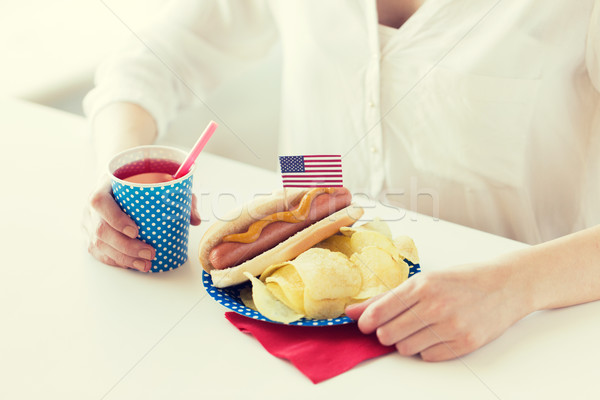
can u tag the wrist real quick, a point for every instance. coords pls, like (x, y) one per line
(120, 126)
(520, 282)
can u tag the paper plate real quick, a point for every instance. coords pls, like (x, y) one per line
(230, 298)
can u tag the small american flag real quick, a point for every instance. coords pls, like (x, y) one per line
(311, 171)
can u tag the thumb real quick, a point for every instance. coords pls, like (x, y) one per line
(195, 215)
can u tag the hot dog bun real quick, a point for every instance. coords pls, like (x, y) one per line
(239, 219)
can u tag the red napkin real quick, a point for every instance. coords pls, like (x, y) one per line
(319, 353)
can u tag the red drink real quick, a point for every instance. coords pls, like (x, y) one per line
(150, 177)
(152, 170)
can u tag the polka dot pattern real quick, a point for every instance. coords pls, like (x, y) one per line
(230, 298)
(162, 212)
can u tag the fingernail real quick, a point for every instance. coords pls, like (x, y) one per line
(139, 264)
(130, 231)
(146, 254)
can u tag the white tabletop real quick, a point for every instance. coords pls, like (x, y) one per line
(73, 328)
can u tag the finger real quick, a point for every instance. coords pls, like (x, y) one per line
(403, 326)
(124, 244)
(103, 258)
(104, 204)
(121, 259)
(354, 311)
(418, 341)
(444, 351)
(393, 303)
(195, 217)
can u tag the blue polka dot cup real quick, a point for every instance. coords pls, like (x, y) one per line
(160, 210)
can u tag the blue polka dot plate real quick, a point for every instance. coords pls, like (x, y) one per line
(230, 298)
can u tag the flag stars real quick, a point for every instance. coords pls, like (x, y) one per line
(291, 164)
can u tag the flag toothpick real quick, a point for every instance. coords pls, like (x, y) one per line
(308, 171)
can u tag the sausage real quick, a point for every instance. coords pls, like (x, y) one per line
(229, 254)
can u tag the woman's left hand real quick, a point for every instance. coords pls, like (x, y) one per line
(445, 314)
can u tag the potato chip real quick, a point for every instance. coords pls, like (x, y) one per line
(361, 239)
(270, 270)
(327, 274)
(268, 305)
(376, 225)
(337, 243)
(246, 297)
(379, 270)
(278, 292)
(287, 286)
(406, 247)
(324, 308)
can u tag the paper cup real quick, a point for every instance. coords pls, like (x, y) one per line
(160, 210)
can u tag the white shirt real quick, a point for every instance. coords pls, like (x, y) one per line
(481, 110)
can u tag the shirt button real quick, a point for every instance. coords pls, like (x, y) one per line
(371, 104)
(374, 150)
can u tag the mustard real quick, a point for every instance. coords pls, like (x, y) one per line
(294, 216)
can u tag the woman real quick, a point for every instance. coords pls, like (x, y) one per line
(489, 103)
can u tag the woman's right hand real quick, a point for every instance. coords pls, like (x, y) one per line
(112, 235)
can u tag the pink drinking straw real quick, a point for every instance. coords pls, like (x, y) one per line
(202, 140)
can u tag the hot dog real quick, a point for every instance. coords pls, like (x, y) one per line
(315, 214)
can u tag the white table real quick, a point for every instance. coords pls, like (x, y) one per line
(73, 328)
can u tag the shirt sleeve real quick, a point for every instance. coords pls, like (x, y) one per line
(179, 58)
